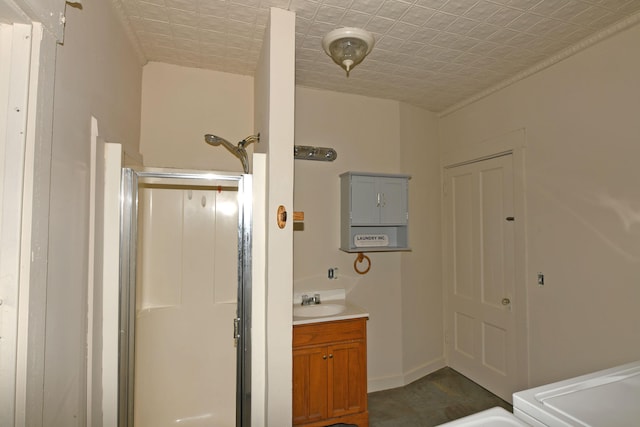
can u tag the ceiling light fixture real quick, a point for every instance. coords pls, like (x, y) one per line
(348, 46)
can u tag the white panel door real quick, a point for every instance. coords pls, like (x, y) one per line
(479, 254)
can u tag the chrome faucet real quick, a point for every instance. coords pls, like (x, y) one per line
(307, 300)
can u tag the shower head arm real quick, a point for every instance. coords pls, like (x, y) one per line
(242, 153)
(248, 140)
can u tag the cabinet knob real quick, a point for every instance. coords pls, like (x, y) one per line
(331, 356)
(324, 357)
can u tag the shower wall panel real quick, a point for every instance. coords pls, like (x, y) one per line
(185, 354)
(159, 247)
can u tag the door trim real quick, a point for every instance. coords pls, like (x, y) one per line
(16, 194)
(128, 251)
(514, 143)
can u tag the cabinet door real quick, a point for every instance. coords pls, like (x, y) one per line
(309, 384)
(393, 201)
(347, 378)
(364, 200)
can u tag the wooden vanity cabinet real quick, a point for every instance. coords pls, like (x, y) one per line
(330, 373)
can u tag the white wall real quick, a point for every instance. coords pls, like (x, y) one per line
(181, 104)
(422, 292)
(365, 133)
(97, 73)
(274, 119)
(581, 122)
(373, 135)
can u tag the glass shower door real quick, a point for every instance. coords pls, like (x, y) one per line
(187, 300)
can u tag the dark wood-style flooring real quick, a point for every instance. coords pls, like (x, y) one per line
(442, 396)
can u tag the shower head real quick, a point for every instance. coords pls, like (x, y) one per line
(238, 150)
(215, 140)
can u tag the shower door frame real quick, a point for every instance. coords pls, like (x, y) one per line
(128, 251)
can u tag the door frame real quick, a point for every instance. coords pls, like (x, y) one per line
(513, 143)
(16, 169)
(128, 253)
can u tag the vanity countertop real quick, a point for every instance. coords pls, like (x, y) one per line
(351, 311)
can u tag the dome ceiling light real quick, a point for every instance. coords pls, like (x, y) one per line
(348, 46)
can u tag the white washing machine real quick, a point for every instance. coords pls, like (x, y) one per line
(494, 417)
(608, 398)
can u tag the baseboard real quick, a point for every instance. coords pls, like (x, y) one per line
(423, 370)
(386, 383)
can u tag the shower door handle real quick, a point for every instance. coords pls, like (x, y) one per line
(236, 328)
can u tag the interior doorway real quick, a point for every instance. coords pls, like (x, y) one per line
(185, 299)
(481, 309)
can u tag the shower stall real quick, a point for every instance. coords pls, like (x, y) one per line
(185, 298)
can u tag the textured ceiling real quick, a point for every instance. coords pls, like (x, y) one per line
(431, 53)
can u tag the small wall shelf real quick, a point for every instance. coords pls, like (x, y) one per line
(374, 214)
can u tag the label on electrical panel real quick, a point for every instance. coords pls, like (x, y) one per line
(367, 240)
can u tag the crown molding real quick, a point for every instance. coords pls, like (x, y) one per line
(554, 59)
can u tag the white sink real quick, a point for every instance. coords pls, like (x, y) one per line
(318, 310)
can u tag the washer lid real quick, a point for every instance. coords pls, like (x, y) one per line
(604, 398)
